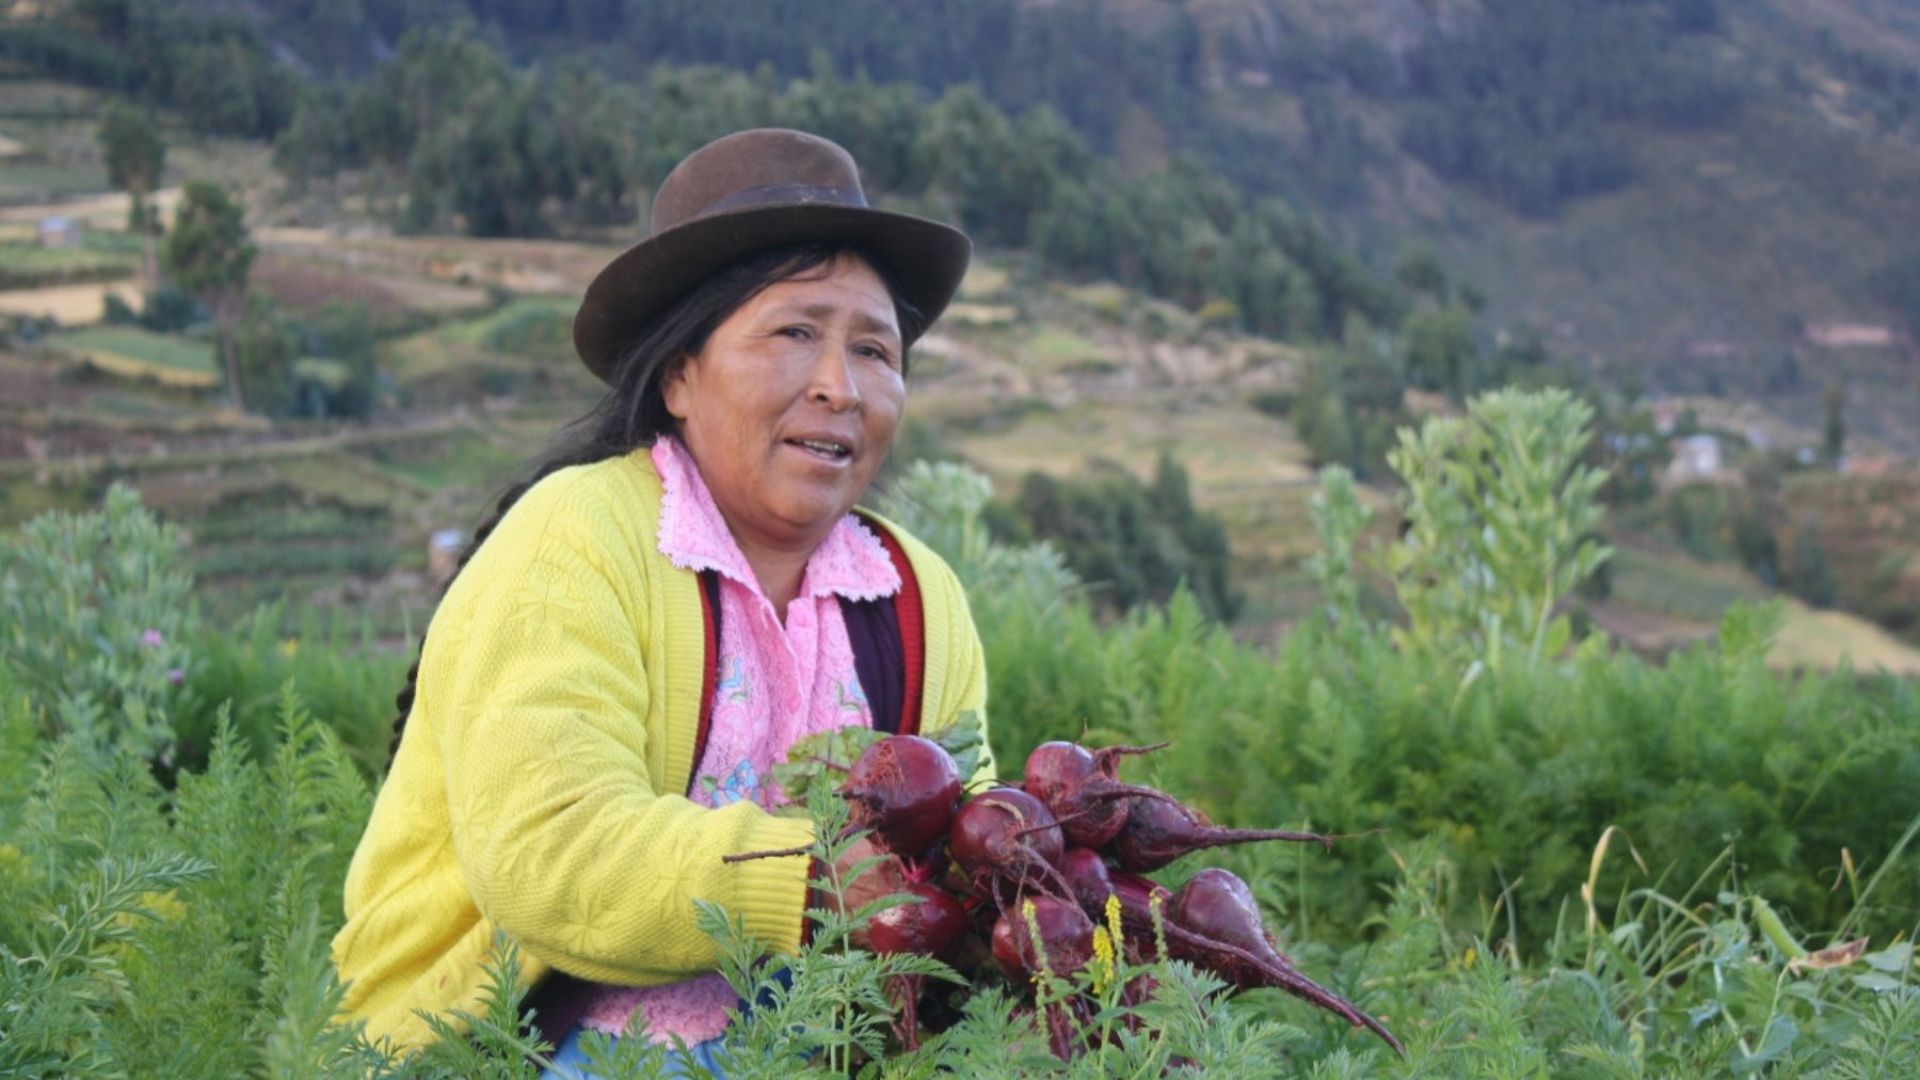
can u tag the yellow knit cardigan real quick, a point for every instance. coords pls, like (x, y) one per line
(539, 791)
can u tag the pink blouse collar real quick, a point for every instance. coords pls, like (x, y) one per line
(851, 562)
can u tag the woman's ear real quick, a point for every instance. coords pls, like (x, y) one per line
(675, 392)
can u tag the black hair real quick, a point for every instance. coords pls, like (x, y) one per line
(633, 413)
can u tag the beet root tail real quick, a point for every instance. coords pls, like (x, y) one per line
(1275, 972)
(1286, 978)
(1108, 758)
(1215, 836)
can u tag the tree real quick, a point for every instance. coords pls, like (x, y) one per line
(1835, 401)
(209, 256)
(1418, 270)
(135, 157)
(1441, 352)
(1812, 575)
(266, 346)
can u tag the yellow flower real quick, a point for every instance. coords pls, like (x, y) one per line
(1031, 915)
(163, 907)
(1103, 969)
(166, 905)
(289, 647)
(1113, 920)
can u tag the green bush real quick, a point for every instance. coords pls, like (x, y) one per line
(1585, 866)
(1133, 543)
(96, 623)
(340, 670)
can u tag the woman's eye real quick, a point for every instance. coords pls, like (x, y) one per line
(798, 333)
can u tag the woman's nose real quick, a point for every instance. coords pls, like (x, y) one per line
(833, 382)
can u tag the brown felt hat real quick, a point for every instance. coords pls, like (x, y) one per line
(744, 193)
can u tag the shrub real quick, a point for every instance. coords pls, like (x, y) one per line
(1500, 515)
(1133, 543)
(96, 623)
(1590, 867)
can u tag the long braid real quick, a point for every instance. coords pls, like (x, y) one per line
(634, 413)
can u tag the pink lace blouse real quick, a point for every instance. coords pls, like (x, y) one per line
(778, 684)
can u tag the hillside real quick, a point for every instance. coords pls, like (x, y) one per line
(1690, 195)
(1710, 250)
(467, 335)
(1022, 375)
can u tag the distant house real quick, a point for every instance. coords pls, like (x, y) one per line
(61, 232)
(1696, 460)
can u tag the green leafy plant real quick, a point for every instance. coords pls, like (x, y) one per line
(97, 624)
(1500, 514)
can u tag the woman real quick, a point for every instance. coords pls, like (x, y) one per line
(670, 602)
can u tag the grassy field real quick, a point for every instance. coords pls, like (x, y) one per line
(28, 266)
(138, 354)
(1825, 640)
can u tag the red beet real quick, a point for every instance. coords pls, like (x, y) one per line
(906, 789)
(932, 925)
(1087, 878)
(1136, 895)
(1158, 831)
(1092, 882)
(1082, 789)
(1218, 909)
(1007, 836)
(1066, 936)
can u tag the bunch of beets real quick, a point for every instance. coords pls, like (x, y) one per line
(1044, 857)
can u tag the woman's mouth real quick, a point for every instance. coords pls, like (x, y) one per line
(825, 450)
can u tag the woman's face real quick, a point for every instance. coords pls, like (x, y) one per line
(793, 403)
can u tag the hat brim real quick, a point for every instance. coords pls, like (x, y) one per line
(925, 257)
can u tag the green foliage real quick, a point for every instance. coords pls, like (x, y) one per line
(267, 348)
(135, 155)
(184, 933)
(342, 672)
(208, 256)
(216, 70)
(207, 253)
(30, 266)
(316, 365)
(1515, 773)
(1834, 428)
(1519, 103)
(343, 333)
(1133, 543)
(1338, 518)
(96, 625)
(1809, 575)
(530, 152)
(157, 935)
(1351, 399)
(1500, 516)
(1442, 354)
(942, 503)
